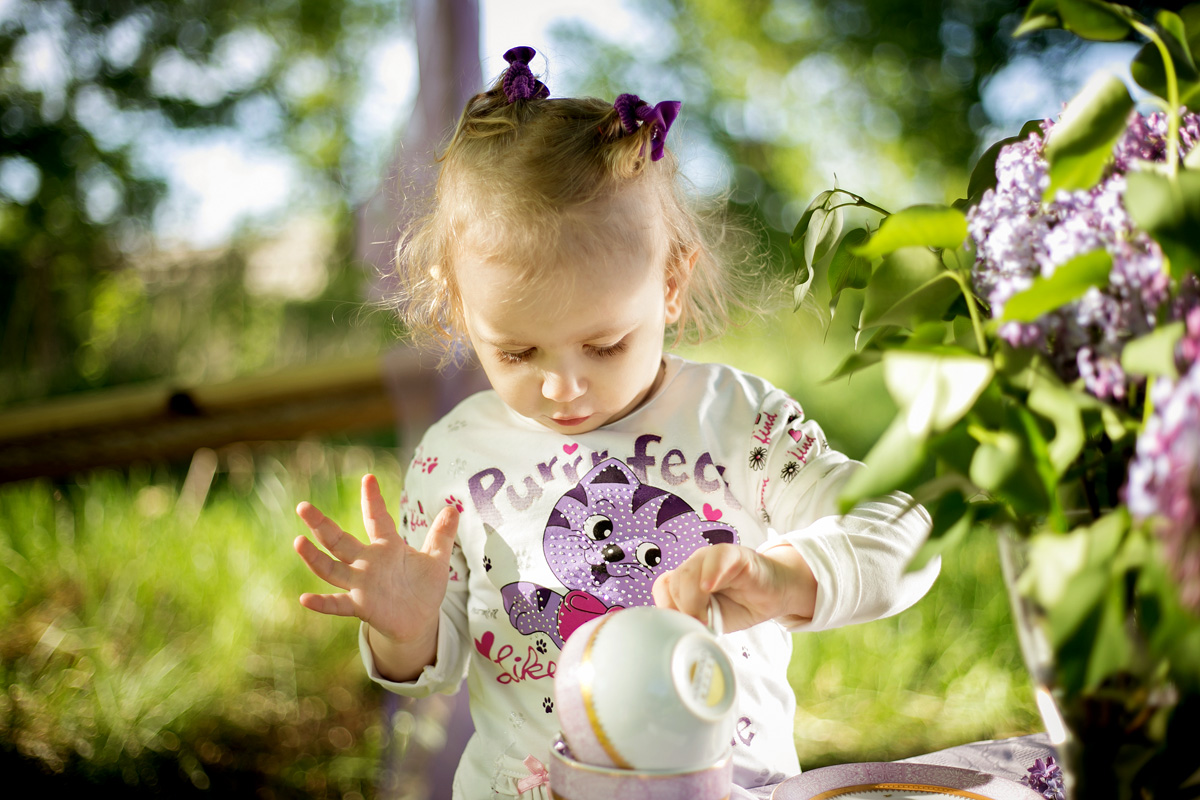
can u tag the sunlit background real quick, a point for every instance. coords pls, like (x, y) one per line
(199, 192)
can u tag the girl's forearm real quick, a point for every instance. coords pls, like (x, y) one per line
(402, 661)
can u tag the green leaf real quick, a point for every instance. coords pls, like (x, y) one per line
(1069, 282)
(813, 237)
(1169, 210)
(823, 232)
(1040, 15)
(893, 463)
(952, 518)
(1154, 353)
(1192, 160)
(1006, 463)
(1080, 145)
(996, 460)
(917, 226)
(798, 247)
(847, 270)
(1058, 404)
(1173, 24)
(1094, 19)
(954, 450)
(1038, 485)
(1190, 15)
(855, 362)
(1112, 652)
(934, 391)
(1147, 66)
(911, 287)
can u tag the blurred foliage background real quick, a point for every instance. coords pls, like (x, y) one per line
(149, 633)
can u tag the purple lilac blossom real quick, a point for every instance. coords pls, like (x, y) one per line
(1164, 476)
(1018, 238)
(1046, 778)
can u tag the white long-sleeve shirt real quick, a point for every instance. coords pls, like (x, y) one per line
(555, 530)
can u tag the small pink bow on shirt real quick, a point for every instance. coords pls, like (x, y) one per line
(538, 776)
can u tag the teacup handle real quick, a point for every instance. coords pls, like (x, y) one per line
(715, 623)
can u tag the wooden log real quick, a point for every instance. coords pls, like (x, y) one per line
(119, 426)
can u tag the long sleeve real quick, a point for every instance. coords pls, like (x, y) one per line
(860, 559)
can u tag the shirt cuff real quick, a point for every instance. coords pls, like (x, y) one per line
(436, 677)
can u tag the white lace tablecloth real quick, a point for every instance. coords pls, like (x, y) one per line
(1007, 758)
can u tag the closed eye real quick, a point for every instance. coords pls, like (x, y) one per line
(610, 350)
(506, 357)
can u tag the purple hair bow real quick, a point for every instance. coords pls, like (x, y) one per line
(634, 111)
(519, 83)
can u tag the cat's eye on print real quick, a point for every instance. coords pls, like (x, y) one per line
(598, 527)
(648, 554)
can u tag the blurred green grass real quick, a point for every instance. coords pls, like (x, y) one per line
(150, 633)
(138, 628)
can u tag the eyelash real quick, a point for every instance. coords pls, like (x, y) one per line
(611, 350)
(514, 358)
(600, 352)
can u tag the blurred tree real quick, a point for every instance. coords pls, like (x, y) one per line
(884, 93)
(86, 86)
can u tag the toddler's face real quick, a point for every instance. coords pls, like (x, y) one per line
(572, 354)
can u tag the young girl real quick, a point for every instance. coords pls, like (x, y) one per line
(598, 473)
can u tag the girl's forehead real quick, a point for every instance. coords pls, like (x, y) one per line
(582, 299)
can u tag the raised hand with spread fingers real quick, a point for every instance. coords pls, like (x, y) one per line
(394, 588)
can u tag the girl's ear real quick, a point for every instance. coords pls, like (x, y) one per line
(677, 277)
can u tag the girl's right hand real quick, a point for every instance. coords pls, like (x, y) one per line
(394, 588)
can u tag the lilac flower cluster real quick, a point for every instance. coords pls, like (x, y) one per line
(1045, 777)
(1164, 476)
(1019, 238)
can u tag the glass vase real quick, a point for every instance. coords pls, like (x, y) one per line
(1105, 736)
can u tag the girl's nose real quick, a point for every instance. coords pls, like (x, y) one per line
(562, 386)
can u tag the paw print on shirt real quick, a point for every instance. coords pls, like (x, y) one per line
(454, 501)
(548, 705)
(541, 646)
(487, 564)
(426, 465)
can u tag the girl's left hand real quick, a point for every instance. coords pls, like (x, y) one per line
(750, 587)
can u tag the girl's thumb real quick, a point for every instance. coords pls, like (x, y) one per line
(440, 541)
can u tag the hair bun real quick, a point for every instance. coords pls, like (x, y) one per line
(519, 82)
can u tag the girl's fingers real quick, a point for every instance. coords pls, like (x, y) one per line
(327, 569)
(440, 541)
(343, 546)
(378, 521)
(339, 605)
(720, 565)
(680, 589)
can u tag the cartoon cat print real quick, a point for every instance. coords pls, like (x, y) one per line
(606, 540)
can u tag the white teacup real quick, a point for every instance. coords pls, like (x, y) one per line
(646, 689)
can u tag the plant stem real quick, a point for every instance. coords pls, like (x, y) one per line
(861, 202)
(1172, 95)
(972, 308)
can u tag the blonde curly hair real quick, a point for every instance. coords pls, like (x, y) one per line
(518, 185)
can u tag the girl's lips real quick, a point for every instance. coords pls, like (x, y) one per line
(571, 422)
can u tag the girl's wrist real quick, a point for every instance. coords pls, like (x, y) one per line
(402, 661)
(798, 583)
